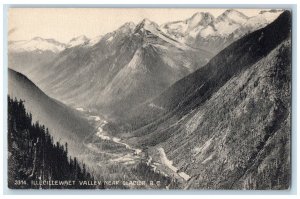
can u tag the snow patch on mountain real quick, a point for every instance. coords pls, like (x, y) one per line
(225, 24)
(36, 44)
(233, 16)
(190, 26)
(80, 40)
(95, 40)
(110, 38)
(146, 27)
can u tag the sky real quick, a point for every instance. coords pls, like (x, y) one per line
(63, 24)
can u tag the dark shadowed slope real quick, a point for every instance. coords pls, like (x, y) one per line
(64, 123)
(240, 137)
(234, 133)
(33, 155)
(194, 89)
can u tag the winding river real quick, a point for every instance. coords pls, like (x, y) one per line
(134, 153)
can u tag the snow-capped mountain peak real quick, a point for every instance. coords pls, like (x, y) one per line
(147, 29)
(146, 24)
(233, 16)
(203, 29)
(36, 44)
(80, 40)
(200, 18)
(191, 25)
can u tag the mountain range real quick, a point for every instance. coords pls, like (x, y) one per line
(209, 96)
(239, 100)
(203, 29)
(131, 65)
(140, 57)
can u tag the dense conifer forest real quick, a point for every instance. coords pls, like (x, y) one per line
(34, 160)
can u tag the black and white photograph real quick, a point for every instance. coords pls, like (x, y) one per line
(149, 98)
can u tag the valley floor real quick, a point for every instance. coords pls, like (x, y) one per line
(126, 156)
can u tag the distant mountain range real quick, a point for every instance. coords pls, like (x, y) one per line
(137, 61)
(204, 30)
(27, 56)
(36, 44)
(39, 45)
(131, 65)
(201, 24)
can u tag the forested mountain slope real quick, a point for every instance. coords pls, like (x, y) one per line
(193, 90)
(64, 123)
(33, 156)
(228, 126)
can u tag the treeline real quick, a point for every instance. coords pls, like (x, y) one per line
(34, 157)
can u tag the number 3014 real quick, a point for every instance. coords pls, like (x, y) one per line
(20, 182)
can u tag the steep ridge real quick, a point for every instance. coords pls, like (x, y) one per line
(257, 123)
(156, 64)
(250, 111)
(65, 124)
(200, 85)
(125, 68)
(83, 70)
(237, 56)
